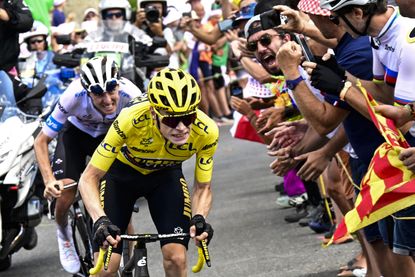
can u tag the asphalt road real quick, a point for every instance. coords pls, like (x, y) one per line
(251, 237)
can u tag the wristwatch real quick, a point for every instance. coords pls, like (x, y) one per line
(292, 84)
(344, 90)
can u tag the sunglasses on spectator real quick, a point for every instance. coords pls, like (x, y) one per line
(173, 120)
(334, 19)
(112, 15)
(33, 41)
(265, 40)
(98, 90)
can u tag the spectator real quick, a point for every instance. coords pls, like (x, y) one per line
(58, 16)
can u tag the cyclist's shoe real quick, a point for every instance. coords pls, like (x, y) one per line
(301, 212)
(31, 239)
(298, 200)
(67, 253)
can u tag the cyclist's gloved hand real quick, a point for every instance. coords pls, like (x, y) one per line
(202, 226)
(326, 80)
(332, 64)
(103, 228)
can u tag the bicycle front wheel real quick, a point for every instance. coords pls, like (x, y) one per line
(83, 242)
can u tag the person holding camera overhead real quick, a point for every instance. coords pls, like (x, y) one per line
(149, 16)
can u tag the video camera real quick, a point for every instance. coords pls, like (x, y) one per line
(144, 54)
(272, 19)
(71, 59)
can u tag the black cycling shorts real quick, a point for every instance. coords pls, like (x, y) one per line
(166, 193)
(72, 149)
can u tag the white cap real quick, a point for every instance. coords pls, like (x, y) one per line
(172, 16)
(89, 10)
(58, 2)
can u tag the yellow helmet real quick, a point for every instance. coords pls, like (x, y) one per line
(174, 91)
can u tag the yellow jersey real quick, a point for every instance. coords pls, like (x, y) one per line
(135, 140)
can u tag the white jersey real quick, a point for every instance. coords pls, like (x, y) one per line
(394, 56)
(76, 106)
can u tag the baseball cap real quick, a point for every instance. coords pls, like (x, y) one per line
(253, 26)
(312, 7)
(245, 13)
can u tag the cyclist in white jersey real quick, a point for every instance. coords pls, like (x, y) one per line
(81, 118)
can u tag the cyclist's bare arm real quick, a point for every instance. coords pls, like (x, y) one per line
(88, 187)
(42, 156)
(201, 202)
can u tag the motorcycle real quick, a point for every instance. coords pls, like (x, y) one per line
(21, 205)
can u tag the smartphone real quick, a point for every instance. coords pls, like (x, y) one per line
(304, 47)
(270, 19)
(225, 25)
(236, 90)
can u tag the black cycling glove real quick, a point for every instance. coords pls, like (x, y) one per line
(202, 226)
(326, 80)
(103, 228)
(333, 65)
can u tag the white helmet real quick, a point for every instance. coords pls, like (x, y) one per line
(99, 75)
(115, 4)
(334, 5)
(38, 29)
(142, 3)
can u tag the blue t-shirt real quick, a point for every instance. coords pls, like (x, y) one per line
(58, 17)
(355, 55)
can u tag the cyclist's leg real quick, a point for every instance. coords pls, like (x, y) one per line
(65, 166)
(68, 163)
(170, 208)
(121, 187)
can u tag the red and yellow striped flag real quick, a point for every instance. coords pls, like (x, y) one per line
(388, 185)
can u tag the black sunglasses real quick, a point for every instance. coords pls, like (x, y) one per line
(334, 19)
(265, 40)
(36, 41)
(110, 86)
(112, 15)
(173, 121)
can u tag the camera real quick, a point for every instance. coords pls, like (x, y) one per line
(144, 54)
(236, 90)
(152, 14)
(272, 19)
(63, 39)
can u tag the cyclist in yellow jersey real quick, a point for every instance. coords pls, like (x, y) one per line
(141, 156)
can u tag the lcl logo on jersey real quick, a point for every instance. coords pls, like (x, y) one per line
(184, 147)
(205, 163)
(108, 147)
(201, 126)
(140, 119)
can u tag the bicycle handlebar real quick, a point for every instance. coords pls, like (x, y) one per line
(203, 252)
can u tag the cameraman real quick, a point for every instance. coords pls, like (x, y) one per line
(115, 26)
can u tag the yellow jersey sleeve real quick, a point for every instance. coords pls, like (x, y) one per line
(204, 157)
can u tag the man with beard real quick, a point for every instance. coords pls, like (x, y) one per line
(116, 27)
